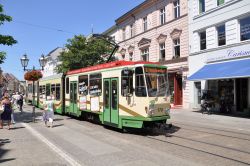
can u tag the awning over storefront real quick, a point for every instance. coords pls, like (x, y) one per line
(232, 69)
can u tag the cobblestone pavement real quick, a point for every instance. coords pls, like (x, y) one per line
(195, 139)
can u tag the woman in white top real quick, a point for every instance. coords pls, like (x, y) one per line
(48, 115)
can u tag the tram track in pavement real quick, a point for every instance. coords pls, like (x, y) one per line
(206, 147)
(207, 132)
(198, 150)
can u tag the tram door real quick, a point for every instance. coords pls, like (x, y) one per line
(73, 97)
(111, 101)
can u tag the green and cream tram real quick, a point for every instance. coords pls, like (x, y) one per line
(119, 94)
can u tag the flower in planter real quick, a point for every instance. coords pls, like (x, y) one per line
(33, 75)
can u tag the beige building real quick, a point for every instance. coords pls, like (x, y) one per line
(157, 30)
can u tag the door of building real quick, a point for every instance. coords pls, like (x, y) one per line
(241, 94)
(178, 89)
(111, 101)
(197, 94)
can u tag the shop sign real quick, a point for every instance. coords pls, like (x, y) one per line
(231, 53)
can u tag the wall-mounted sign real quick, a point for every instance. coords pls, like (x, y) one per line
(230, 53)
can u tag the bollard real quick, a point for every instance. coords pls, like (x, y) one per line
(33, 114)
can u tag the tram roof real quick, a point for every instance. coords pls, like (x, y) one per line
(110, 65)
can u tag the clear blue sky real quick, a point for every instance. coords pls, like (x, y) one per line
(36, 25)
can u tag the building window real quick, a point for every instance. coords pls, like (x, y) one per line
(176, 8)
(131, 56)
(221, 35)
(131, 30)
(162, 52)
(201, 6)
(220, 2)
(145, 54)
(123, 34)
(145, 23)
(245, 29)
(203, 44)
(177, 51)
(162, 16)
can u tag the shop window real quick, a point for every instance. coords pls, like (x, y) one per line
(201, 6)
(145, 54)
(83, 85)
(176, 8)
(162, 16)
(162, 52)
(140, 88)
(245, 29)
(203, 44)
(95, 84)
(221, 35)
(67, 85)
(126, 82)
(220, 2)
(58, 91)
(177, 49)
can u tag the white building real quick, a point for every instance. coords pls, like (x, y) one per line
(219, 43)
(51, 62)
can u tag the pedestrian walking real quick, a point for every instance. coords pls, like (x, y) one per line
(20, 103)
(48, 115)
(7, 110)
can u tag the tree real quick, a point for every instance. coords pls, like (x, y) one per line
(5, 39)
(79, 53)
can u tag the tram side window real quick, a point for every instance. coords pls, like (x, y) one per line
(47, 90)
(40, 91)
(140, 88)
(58, 90)
(95, 84)
(53, 89)
(126, 82)
(67, 85)
(83, 84)
(30, 88)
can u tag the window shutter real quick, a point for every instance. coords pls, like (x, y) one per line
(196, 42)
(232, 31)
(211, 37)
(195, 8)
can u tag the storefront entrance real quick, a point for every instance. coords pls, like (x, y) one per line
(241, 94)
(175, 87)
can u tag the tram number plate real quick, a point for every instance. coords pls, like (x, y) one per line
(160, 109)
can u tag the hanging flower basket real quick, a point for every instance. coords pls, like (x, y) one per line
(33, 75)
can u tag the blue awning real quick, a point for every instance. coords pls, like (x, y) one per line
(231, 69)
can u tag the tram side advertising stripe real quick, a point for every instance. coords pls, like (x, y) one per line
(56, 149)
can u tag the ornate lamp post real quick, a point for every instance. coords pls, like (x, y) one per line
(24, 62)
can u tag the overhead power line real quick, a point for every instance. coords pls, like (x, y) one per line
(42, 27)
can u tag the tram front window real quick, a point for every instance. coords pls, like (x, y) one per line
(156, 80)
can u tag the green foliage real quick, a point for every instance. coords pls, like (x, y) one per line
(5, 39)
(79, 53)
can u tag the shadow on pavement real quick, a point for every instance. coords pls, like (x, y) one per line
(58, 125)
(5, 160)
(4, 151)
(15, 128)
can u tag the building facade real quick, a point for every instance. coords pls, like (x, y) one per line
(52, 62)
(157, 31)
(219, 41)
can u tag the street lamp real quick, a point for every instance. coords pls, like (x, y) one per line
(24, 62)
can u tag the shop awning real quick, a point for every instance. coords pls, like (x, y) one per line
(225, 70)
